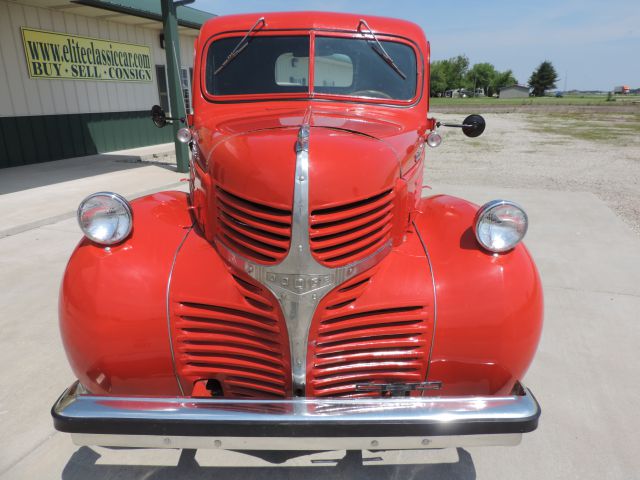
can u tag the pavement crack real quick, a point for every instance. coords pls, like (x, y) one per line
(584, 290)
(31, 451)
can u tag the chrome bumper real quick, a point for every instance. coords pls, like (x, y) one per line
(295, 424)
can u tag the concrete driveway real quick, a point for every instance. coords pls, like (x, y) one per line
(585, 374)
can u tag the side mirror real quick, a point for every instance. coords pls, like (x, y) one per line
(473, 126)
(158, 116)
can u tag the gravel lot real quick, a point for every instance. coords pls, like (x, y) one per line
(597, 153)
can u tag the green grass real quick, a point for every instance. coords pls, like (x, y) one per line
(585, 100)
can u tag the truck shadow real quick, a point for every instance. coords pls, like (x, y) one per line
(25, 177)
(84, 463)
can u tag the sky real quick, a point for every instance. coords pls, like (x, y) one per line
(593, 45)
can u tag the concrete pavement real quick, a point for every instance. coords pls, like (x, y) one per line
(43, 193)
(584, 374)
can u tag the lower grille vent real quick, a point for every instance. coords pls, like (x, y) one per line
(242, 348)
(380, 346)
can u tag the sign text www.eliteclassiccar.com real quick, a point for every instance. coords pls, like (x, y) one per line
(61, 56)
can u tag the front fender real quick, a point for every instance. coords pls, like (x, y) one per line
(112, 308)
(489, 306)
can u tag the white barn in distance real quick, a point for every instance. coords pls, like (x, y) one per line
(514, 91)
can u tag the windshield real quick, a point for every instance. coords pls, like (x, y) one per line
(341, 66)
(372, 76)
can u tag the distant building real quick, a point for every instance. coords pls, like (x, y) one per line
(622, 90)
(514, 91)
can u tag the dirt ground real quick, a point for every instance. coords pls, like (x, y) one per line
(575, 151)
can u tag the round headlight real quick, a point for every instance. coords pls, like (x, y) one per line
(105, 218)
(500, 225)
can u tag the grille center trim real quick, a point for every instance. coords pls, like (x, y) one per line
(299, 282)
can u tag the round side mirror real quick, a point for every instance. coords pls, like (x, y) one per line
(158, 116)
(473, 126)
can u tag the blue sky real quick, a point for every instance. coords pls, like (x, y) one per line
(594, 44)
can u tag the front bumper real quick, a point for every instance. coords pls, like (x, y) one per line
(295, 424)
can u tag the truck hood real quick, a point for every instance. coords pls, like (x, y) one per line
(258, 160)
(351, 120)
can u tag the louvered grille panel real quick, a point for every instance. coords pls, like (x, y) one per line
(381, 346)
(345, 233)
(258, 231)
(243, 347)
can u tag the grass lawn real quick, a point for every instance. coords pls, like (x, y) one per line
(586, 100)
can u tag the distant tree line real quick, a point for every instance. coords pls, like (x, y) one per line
(455, 73)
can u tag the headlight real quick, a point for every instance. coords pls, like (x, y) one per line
(105, 218)
(500, 225)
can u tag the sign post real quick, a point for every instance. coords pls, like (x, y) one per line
(176, 99)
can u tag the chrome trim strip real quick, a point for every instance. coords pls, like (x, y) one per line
(297, 443)
(435, 297)
(150, 421)
(299, 282)
(168, 307)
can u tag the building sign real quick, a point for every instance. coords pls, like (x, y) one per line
(58, 55)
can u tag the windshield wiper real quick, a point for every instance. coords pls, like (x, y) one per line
(242, 44)
(379, 49)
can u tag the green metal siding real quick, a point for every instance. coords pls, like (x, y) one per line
(42, 138)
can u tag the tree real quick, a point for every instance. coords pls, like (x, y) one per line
(543, 78)
(455, 73)
(448, 74)
(455, 70)
(438, 80)
(501, 80)
(481, 75)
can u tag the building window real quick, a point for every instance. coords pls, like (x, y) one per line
(163, 90)
(185, 81)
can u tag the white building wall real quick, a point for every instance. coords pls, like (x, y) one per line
(510, 92)
(21, 95)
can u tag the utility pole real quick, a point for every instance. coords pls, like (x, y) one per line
(176, 99)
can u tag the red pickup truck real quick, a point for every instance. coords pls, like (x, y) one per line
(303, 294)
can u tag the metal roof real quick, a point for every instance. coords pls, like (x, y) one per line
(517, 86)
(187, 16)
(139, 13)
